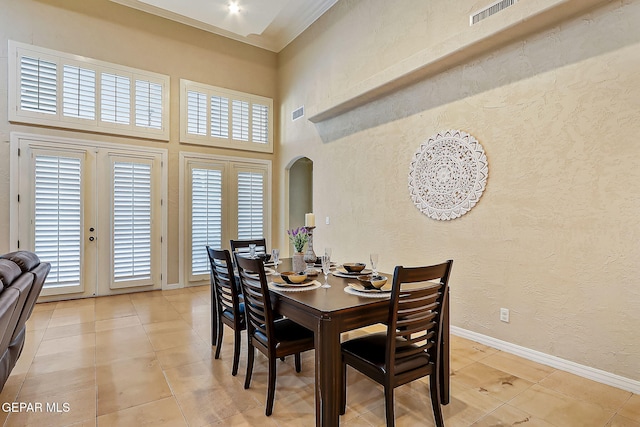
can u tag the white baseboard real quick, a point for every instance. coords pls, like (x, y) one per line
(170, 286)
(555, 362)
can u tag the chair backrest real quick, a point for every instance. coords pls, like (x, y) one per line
(415, 314)
(224, 280)
(257, 303)
(242, 246)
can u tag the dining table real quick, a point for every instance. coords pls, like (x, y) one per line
(329, 312)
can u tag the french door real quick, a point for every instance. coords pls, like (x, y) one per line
(94, 212)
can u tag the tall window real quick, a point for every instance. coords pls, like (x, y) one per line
(221, 117)
(58, 215)
(222, 198)
(52, 88)
(131, 221)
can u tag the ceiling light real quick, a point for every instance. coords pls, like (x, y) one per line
(234, 8)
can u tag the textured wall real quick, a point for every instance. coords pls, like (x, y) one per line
(555, 236)
(110, 32)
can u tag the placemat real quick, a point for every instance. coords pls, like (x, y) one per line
(314, 284)
(350, 290)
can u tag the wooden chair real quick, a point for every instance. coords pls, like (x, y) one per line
(412, 346)
(276, 338)
(242, 246)
(229, 306)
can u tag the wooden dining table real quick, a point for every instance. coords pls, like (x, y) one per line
(329, 312)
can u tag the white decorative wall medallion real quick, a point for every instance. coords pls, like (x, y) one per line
(448, 174)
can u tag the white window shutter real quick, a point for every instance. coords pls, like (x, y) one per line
(58, 216)
(260, 123)
(115, 99)
(250, 205)
(38, 85)
(196, 113)
(148, 104)
(219, 117)
(79, 92)
(206, 216)
(240, 120)
(131, 221)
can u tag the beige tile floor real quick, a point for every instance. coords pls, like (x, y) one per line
(146, 360)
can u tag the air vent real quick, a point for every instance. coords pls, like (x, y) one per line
(297, 113)
(490, 10)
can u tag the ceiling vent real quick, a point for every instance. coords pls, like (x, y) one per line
(297, 113)
(492, 9)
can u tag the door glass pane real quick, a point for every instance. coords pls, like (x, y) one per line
(250, 205)
(206, 216)
(131, 221)
(58, 218)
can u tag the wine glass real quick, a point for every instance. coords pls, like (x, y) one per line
(252, 250)
(326, 267)
(327, 253)
(374, 264)
(275, 254)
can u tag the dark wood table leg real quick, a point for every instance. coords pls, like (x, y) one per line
(328, 369)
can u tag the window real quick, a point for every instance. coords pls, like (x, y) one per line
(52, 88)
(222, 198)
(220, 117)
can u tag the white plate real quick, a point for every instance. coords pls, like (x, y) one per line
(307, 282)
(370, 291)
(340, 272)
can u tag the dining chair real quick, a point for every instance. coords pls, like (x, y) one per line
(412, 346)
(229, 306)
(242, 246)
(275, 338)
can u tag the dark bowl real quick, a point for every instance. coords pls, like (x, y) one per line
(264, 257)
(354, 267)
(293, 278)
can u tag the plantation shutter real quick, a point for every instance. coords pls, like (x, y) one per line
(206, 216)
(116, 99)
(148, 104)
(58, 217)
(250, 205)
(38, 90)
(79, 92)
(131, 221)
(260, 123)
(219, 117)
(196, 113)
(240, 120)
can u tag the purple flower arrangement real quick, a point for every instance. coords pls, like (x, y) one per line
(299, 237)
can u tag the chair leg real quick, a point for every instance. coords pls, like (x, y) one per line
(271, 387)
(434, 387)
(236, 352)
(388, 403)
(298, 363)
(250, 354)
(219, 339)
(343, 389)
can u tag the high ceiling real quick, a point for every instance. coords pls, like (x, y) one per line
(269, 24)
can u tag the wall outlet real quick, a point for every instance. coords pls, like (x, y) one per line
(504, 315)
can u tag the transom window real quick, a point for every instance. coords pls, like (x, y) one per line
(221, 117)
(52, 88)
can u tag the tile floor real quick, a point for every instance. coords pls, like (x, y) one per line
(145, 360)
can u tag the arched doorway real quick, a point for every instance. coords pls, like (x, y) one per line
(300, 191)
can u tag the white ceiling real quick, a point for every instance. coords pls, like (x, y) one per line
(269, 24)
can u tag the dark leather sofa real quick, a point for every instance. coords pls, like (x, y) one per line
(22, 276)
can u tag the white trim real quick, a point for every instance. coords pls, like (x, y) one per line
(171, 286)
(588, 372)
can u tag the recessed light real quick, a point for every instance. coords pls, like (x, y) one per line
(234, 8)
